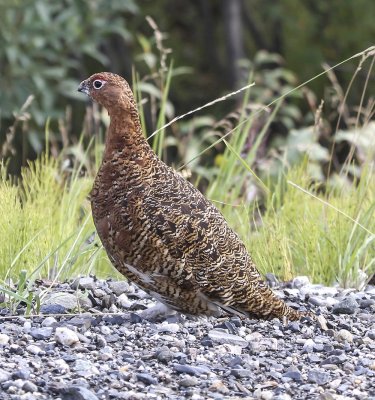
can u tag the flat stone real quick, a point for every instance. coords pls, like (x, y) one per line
(77, 393)
(52, 309)
(147, 379)
(191, 369)
(227, 338)
(41, 333)
(188, 381)
(84, 368)
(67, 300)
(241, 372)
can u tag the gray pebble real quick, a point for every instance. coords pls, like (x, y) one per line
(77, 393)
(29, 387)
(191, 369)
(119, 287)
(293, 373)
(189, 381)
(346, 306)
(241, 373)
(318, 377)
(227, 338)
(86, 282)
(147, 379)
(49, 322)
(41, 333)
(22, 373)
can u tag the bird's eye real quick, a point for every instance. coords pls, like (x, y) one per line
(98, 84)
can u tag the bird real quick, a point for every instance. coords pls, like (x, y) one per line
(160, 232)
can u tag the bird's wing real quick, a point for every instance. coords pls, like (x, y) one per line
(193, 230)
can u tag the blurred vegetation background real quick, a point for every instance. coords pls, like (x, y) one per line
(271, 156)
(46, 48)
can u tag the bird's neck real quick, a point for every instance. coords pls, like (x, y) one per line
(125, 135)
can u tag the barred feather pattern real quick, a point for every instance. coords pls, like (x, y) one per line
(160, 231)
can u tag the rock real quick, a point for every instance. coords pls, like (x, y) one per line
(300, 281)
(241, 373)
(67, 300)
(22, 373)
(346, 306)
(49, 322)
(165, 355)
(86, 282)
(293, 373)
(33, 349)
(336, 360)
(123, 301)
(52, 309)
(166, 327)
(308, 347)
(147, 379)
(227, 338)
(344, 336)
(84, 368)
(191, 369)
(29, 387)
(66, 336)
(188, 381)
(119, 287)
(4, 339)
(4, 375)
(77, 393)
(41, 333)
(219, 387)
(320, 378)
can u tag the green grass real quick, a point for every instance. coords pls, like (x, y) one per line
(46, 223)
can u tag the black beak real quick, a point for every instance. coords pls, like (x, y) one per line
(83, 87)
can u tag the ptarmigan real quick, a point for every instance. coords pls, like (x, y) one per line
(160, 231)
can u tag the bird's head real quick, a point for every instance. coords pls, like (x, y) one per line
(109, 90)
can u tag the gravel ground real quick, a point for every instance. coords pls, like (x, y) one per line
(91, 343)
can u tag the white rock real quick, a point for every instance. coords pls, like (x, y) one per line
(105, 330)
(4, 339)
(48, 322)
(343, 336)
(33, 349)
(227, 338)
(300, 281)
(166, 327)
(66, 336)
(309, 346)
(123, 301)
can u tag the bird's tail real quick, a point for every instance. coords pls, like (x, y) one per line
(263, 303)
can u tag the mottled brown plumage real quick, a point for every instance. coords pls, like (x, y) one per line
(160, 231)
